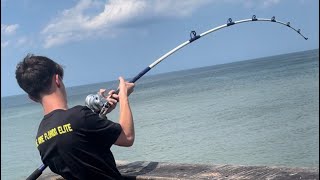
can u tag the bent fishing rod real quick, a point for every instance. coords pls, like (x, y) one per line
(97, 102)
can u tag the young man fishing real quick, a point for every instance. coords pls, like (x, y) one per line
(75, 142)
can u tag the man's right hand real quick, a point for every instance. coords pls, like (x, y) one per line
(125, 87)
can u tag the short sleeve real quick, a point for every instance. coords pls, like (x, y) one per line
(102, 131)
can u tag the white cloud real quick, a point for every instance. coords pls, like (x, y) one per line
(4, 44)
(268, 3)
(9, 29)
(5, 31)
(252, 3)
(21, 41)
(73, 24)
(107, 19)
(24, 41)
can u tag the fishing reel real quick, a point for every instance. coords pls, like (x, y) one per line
(98, 104)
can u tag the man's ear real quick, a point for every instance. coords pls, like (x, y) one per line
(57, 80)
(32, 98)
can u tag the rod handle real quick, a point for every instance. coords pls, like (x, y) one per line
(37, 173)
(134, 79)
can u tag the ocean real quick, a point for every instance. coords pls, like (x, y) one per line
(256, 112)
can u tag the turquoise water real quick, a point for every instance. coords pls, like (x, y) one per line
(257, 112)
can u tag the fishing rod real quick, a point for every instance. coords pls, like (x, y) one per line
(98, 104)
(36, 173)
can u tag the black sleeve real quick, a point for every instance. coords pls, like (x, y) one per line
(103, 132)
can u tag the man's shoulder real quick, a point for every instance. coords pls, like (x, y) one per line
(81, 112)
(75, 113)
(78, 108)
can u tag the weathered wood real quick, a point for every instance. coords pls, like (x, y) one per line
(141, 170)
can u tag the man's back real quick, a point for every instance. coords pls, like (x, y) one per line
(75, 143)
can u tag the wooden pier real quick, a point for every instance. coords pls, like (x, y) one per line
(142, 170)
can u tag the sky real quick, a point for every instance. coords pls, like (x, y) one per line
(100, 40)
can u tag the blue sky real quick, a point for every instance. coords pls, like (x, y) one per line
(97, 41)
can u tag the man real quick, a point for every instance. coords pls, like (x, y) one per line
(75, 142)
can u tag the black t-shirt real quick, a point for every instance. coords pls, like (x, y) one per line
(75, 144)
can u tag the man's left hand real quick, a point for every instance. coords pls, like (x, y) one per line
(112, 99)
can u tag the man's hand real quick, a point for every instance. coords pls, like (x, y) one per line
(112, 99)
(125, 87)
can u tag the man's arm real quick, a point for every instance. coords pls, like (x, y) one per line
(127, 135)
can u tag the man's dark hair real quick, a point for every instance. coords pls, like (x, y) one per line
(34, 74)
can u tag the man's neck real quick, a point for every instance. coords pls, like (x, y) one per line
(52, 102)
